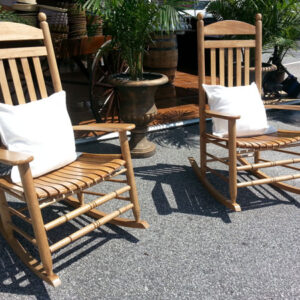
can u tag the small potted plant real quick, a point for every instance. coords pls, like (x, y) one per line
(281, 22)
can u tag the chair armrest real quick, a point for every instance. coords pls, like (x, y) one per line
(215, 114)
(286, 107)
(14, 158)
(107, 127)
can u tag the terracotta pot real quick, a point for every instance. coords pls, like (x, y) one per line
(137, 106)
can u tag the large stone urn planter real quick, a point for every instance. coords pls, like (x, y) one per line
(137, 106)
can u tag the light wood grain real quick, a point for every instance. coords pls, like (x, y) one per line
(40, 77)
(222, 66)
(4, 85)
(229, 43)
(239, 148)
(19, 32)
(28, 78)
(16, 80)
(22, 52)
(63, 183)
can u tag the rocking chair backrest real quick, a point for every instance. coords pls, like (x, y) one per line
(234, 69)
(21, 66)
(237, 52)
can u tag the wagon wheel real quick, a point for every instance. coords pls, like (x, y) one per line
(103, 96)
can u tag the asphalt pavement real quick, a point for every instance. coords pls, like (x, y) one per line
(194, 249)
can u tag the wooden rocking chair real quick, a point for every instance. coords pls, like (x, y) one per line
(69, 183)
(228, 68)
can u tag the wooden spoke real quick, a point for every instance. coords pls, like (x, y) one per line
(104, 99)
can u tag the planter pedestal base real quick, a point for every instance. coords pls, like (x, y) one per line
(140, 146)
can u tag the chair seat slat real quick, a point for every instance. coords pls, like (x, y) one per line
(266, 141)
(69, 178)
(73, 177)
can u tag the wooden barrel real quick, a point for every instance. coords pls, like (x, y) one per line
(162, 56)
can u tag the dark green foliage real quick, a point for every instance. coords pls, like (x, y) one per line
(281, 21)
(130, 26)
(130, 23)
(11, 16)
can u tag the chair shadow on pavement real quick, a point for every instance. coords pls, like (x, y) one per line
(17, 279)
(288, 117)
(177, 190)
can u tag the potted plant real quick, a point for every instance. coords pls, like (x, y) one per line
(130, 24)
(281, 22)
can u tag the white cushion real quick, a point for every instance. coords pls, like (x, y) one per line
(42, 129)
(244, 101)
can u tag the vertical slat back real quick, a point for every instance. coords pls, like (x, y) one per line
(222, 66)
(16, 80)
(4, 85)
(28, 79)
(247, 66)
(213, 73)
(230, 61)
(238, 66)
(21, 74)
(230, 67)
(40, 77)
(258, 52)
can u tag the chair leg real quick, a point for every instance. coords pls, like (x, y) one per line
(232, 161)
(130, 174)
(203, 150)
(5, 218)
(120, 221)
(201, 172)
(211, 189)
(256, 157)
(80, 197)
(38, 224)
(27, 259)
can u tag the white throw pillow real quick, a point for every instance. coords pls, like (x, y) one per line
(244, 101)
(42, 129)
